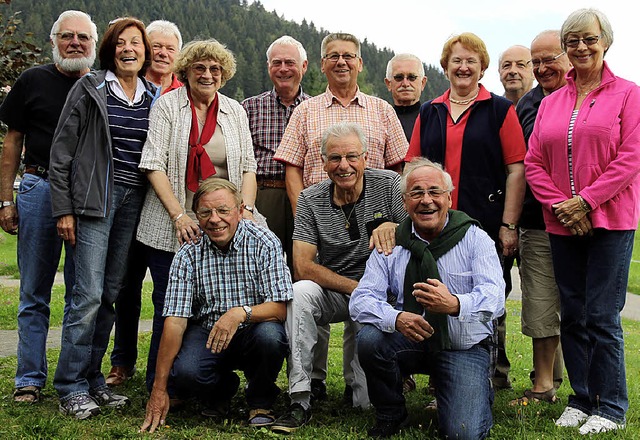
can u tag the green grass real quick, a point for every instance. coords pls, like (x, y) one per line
(331, 420)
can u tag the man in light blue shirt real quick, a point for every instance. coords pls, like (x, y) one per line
(428, 307)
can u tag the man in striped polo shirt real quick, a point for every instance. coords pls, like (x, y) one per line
(333, 225)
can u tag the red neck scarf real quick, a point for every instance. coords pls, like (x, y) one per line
(199, 164)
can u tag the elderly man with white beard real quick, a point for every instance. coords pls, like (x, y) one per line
(31, 111)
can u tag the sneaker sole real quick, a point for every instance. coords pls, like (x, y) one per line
(287, 429)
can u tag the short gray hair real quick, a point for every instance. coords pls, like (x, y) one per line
(343, 129)
(404, 57)
(579, 20)
(166, 28)
(422, 162)
(212, 184)
(339, 36)
(286, 40)
(74, 14)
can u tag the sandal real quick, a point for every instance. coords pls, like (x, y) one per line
(261, 417)
(530, 396)
(30, 395)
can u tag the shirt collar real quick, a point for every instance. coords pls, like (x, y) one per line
(413, 229)
(330, 98)
(117, 89)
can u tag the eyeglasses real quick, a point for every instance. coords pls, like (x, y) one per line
(399, 77)
(520, 65)
(205, 213)
(589, 41)
(546, 61)
(337, 158)
(278, 63)
(334, 57)
(418, 194)
(68, 36)
(200, 69)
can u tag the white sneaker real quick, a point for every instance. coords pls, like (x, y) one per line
(571, 418)
(596, 424)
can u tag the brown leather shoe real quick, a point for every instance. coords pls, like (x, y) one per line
(119, 375)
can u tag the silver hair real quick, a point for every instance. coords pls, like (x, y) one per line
(74, 14)
(343, 129)
(579, 20)
(339, 36)
(404, 57)
(421, 162)
(167, 28)
(286, 40)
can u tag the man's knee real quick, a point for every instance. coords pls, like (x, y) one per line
(370, 341)
(270, 339)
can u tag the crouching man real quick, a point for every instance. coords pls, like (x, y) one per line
(428, 308)
(225, 307)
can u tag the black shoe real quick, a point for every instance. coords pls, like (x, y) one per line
(318, 390)
(218, 410)
(295, 418)
(347, 396)
(387, 428)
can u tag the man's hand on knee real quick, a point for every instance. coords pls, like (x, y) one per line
(224, 329)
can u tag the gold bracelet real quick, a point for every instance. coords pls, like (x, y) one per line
(584, 205)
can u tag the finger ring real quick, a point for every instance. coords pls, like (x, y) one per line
(417, 335)
(563, 221)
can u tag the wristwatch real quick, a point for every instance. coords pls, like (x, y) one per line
(249, 208)
(510, 226)
(6, 203)
(248, 311)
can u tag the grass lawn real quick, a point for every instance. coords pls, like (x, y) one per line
(331, 420)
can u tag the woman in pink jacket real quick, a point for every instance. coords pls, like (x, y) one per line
(582, 165)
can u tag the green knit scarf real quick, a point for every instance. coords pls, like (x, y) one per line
(422, 265)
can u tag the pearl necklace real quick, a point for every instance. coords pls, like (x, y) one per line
(464, 101)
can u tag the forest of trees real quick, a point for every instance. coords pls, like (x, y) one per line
(246, 28)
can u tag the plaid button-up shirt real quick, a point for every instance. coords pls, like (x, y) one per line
(268, 118)
(386, 143)
(204, 282)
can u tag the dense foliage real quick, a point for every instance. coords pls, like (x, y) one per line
(17, 50)
(246, 28)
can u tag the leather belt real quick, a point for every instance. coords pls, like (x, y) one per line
(270, 183)
(37, 170)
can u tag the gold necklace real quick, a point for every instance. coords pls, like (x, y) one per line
(347, 217)
(464, 101)
(593, 87)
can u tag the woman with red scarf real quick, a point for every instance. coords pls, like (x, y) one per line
(194, 133)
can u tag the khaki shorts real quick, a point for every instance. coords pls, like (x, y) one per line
(540, 298)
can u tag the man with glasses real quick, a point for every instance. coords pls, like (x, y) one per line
(31, 111)
(516, 73)
(333, 225)
(540, 297)
(269, 114)
(299, 149)
(428, 307)
(342, 101)
(224, 309)
(406, 80)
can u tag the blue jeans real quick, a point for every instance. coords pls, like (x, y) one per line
(102, 249)
(127, 307)
(258, 350)
(159, 265)
(462, 379)
(39, 249)
(592, 274)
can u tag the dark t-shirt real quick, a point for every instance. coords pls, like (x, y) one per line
(33, 107)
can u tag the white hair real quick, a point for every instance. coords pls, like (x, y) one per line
(166, 28)
(286, 40)
(404, 57)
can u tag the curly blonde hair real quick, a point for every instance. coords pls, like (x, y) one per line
(201, 50)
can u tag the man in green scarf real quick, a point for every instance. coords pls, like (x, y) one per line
(428, 307)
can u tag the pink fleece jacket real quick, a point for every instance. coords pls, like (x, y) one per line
(605, 153)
